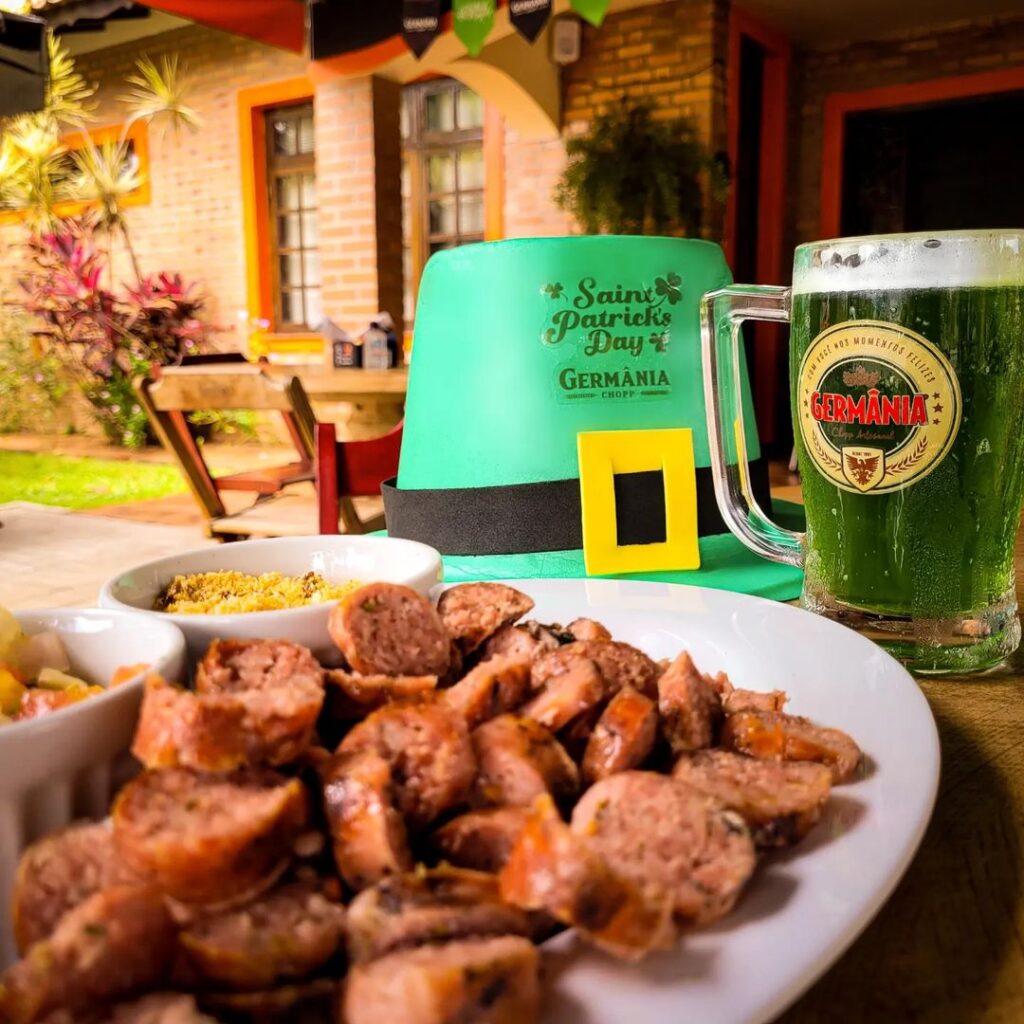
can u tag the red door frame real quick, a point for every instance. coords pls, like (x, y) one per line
(769, 385)
(933, 90)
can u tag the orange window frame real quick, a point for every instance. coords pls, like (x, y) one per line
(137, 134)
(932, 90)
(252, 105)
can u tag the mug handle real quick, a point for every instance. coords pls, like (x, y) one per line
(722, 313)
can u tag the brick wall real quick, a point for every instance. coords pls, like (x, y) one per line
(670, 54)
(960, 48)
(359, 232)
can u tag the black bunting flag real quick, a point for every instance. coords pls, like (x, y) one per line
(421, 21)
(529, 16)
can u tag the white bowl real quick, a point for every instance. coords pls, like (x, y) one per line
(67, 765)
(336, 558)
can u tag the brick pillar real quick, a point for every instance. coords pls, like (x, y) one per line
(359, 196)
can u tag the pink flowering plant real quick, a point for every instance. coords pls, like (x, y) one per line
(109, 334)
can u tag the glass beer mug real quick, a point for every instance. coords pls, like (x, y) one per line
(907, 394)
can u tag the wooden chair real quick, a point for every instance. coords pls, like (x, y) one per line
(231, 384)
(351, 471)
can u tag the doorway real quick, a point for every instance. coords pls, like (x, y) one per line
(944, 166)
(758, 86)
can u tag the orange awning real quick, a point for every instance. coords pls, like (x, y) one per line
(277, 22)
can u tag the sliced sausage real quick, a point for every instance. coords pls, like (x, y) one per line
(472, 612)
(567, 696)
(387, 629)
(781, 801)
(181, 729)
(286, 934)
(281, 687)
(480, 839)
(552, 869)
(367, 832)
(753, 700)
(352, 696)
(623, 737)
(118, 942)
(306, 1001)
(660, 832)
(58, 873)
(209, 839)
(588, 629)
(236, 666)
(689, 705)
(775, 736)
(428, 748)
(471, 981)
(160, 1008)
(432, 905)
(519, 760)
(619, 663)
(527, 640)
(493, 687)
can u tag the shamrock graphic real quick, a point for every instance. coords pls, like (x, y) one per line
(668, 286)
(660, 341)
(553, 291)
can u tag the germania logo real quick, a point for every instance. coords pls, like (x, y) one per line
(879, 406)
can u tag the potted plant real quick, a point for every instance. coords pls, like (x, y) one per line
(631, 174)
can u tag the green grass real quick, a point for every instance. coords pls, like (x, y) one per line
(82, 483)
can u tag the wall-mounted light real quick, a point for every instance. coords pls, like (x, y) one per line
(566, 40)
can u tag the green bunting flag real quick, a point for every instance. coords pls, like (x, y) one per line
(592, 10)
(472, 21)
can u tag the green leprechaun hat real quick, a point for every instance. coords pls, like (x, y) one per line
(522, 345)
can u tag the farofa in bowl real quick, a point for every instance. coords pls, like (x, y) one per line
(227, 593)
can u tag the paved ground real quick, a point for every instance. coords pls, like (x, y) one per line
(51, 557)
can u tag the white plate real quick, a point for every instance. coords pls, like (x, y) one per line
(805, 907)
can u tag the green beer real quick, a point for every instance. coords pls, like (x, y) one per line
(907, 395)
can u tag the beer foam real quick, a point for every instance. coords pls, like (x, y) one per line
(899, 262)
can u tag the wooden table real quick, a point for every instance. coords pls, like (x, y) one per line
(367, 403)
(949, 944)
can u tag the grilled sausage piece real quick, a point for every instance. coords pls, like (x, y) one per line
(493, 687)
(690, 707)
(658, 831)
(527, 640)
(58, 873)
(181, 729)
(471, 981)
(118, 942)
(368, 834)
(281, 687)
(428, 748)
(352, 696)
(432, 905)
(209, 839)
(619, 663)
(552, 869)
(481, 839)
(775, 736)
(519, 760)
(303, 1001)
(285, 934)
(623, 737)
(160, 1008)
(387, 629)
(472, 612)
(567, 696)
(588, 629)
(780, 801)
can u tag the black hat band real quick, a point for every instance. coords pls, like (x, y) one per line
(545, 516)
